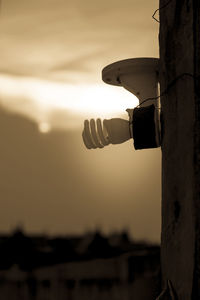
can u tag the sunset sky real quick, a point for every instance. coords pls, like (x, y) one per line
(52, 55)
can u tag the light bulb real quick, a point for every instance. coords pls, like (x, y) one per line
(99, 134)
(142, 126)
(140, 77)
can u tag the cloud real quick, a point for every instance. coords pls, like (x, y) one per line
(62, 105)
(41, 38)
(52, 55)
(52, 182)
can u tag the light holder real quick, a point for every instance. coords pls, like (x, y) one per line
(137, 75)
(140, 77)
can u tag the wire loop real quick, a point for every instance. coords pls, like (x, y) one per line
(155, 12)
(170, 85)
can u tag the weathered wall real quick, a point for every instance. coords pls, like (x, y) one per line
(179, 53)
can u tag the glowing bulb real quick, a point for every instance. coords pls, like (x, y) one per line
(99, 134)
(140, 77)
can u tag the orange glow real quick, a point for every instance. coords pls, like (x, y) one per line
(83, 100)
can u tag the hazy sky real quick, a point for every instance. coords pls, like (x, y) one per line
(52, 53)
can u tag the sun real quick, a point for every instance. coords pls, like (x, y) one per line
(44, 127)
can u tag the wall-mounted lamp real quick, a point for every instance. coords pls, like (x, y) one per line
(140, 77)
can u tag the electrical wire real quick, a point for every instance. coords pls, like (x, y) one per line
(155, 12)
(170, 85)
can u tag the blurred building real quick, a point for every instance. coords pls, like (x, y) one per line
(77, 268)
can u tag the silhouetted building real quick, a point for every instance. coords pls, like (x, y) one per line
(76, 268)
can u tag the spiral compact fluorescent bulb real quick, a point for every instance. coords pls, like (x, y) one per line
(140, 76)
(98, 134)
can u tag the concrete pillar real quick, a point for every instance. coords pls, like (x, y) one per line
(180, 68)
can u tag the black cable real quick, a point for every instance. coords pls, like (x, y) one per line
(155, 12)
(170, 85)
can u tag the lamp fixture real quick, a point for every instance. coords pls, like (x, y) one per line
(140, 77)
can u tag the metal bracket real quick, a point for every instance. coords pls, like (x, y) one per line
(137, 75)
